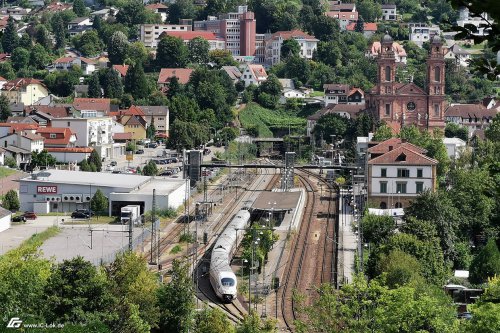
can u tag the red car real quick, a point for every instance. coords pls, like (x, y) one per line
(29, 216)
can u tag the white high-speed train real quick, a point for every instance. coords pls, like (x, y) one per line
(222, 278)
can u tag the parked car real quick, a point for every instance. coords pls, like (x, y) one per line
(29, 215)
(110, 168)
(152, 145)
(166, 173)
(79, 215)
(113, 163)
(18, 218)
(116, 171)
(85, 211)
(139, 151)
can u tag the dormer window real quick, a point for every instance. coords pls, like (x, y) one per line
(401, 157)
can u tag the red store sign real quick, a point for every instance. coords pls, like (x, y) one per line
(46, 189)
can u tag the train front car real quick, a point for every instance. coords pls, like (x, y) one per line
(228, 285)
(222, 278)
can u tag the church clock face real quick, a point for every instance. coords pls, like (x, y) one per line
(411, 106)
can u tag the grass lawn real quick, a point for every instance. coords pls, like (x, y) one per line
(93, 220)
(5, 172)
(317, 93)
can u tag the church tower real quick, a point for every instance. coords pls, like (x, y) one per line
(436, 84)
(386, 67)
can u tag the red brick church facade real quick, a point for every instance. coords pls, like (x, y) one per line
(404, 104)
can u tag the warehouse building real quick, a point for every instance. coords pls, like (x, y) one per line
(66, 191)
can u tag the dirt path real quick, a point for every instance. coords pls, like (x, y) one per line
(10, 182)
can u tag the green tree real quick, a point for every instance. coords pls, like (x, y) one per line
(42, 37)
(376, 229)
(84, 166)
(186, 134)
(10, 39)
(399, 269)
(269, 92)
(382, 133)
(5, 111)
(325, 28)
(137, 53)
(95, 90)
(23, 275)
(89, 43)
(486, 263)
(42, 158)
(63, 83)
(181, 9)
(253, 324)
(290, 47)
(95, 159)
(222, 58)
(369, 10)
(360, 25)
(136, 82)
(171, 53)
(454, 130)
(118, 48)
(11, 201)
(198, 49)
(111, 83)
(135, 288)
(79, 8)
(493, 131)
(151, 130)
(212, 320)
(77, 292)
(99, 202)
(440, 210)
(330, 124)
(59, 29)
(176, 300)
(20, 58)
(150, 169)
(7, 71)
(132, 13)
(39, 58)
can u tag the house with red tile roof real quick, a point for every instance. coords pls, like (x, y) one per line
(25, 91)
(57, 137)
(87, 65)
(471, 116)
(308, 44)
(369, 28)
(398, 172)
(102, 105)
(121, 69)
(159, 8)
(253, 74)
(344, 18)
(166, 74)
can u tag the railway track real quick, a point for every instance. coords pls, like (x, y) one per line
(314, 240)
(235, 310)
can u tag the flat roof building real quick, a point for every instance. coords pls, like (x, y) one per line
(66, 191)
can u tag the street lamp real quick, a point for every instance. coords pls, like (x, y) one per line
(254, 243)
(333, 145)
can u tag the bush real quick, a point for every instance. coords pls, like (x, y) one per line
(10, 162)
(11, 201)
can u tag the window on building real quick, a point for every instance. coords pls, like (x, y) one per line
(419, 187)
(383, 187)
(388, 109)
(388, 73)
(437, 74)
(401, 187)
(69, 124)
(420, 173)
(403, 173)
(383, 172)
(436, 110)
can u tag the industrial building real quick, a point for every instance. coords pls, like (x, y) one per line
(66, 191)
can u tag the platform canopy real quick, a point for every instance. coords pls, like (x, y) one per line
(276, 201)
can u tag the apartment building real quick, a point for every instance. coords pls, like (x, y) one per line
(150, 33)
(308, 44)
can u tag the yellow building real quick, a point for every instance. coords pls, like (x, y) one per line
(135, 125)
(24, 90)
